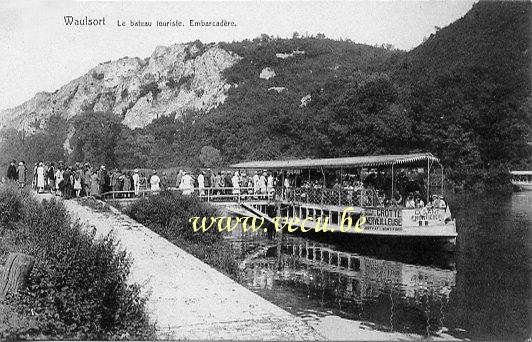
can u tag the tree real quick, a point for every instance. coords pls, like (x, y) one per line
(133, 148)
(210, 156)
(95, 136)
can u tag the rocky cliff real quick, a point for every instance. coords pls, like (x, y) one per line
(172, 80)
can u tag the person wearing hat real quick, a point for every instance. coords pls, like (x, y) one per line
(40, 177)
(235, 183)
(155, 182)
(419, 202)
(256, 186)
(270, 184)
(58, 179)
(262, 183)
(101, 180)
(201, 183)
(228, 179)
(94, 190)
(136, 181)
(397, 198)
(22, 171)
(12, 171)
(438, 202)
(164, 181)
(187, 184)
(179, 178)
(218, 180)
(50, 175)
(410, 203)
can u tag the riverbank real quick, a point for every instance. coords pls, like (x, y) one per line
(186, 298)
(66, 267)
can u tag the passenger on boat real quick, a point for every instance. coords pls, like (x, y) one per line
(410, 203)
(397, 198)
(286, 188)
(419, 202)
(381, 197)
(439, 202)
(262, 183)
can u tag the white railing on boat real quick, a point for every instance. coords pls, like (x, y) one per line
(318, 196)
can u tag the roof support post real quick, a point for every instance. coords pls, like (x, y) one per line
(391, 198)
(323, 185)
(428, 180)
(441, 166)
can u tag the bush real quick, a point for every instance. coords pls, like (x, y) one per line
(77, 288)
(10, 205)
(168, 215)
(98, 76)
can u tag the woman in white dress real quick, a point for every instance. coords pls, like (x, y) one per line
(40, 177)
(136, 181)
(236, 186)
(154, 182)
(201, 184)
(77, 184)
(186, 184)
(58, 178)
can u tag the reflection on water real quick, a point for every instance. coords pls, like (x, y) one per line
(481, 291)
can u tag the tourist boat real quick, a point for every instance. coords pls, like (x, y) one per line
(522, 180)
(382, 216)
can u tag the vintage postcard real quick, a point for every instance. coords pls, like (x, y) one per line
(265, 170)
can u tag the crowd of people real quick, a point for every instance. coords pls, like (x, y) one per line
(72, 181)
(79, 180)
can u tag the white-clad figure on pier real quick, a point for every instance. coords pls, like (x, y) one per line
(262, 183)
(236, 186)
(256, 186)
(136, 181)
(201, 183)
(58, 177)
(40, 177)
(270, 184)
(155, 182)
(186, 184)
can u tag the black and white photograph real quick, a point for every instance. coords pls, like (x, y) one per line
(266, 170)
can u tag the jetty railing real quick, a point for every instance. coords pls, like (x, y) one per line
(216, 194)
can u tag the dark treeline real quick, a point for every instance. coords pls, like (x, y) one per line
(464, 95)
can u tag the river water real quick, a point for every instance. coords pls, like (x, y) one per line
(349, 290)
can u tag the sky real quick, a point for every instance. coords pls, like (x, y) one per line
(38, 52)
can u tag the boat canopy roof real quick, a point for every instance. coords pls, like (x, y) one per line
(521, 173)
(335, 163)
